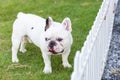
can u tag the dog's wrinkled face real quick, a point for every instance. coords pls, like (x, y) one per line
(57, 35)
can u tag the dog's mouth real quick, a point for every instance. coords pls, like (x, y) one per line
(54, 52)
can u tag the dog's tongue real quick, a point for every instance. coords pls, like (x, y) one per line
(52, 50)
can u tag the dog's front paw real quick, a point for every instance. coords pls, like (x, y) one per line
(15, 60)
(23, 50)
(47, 70)
(66, 65)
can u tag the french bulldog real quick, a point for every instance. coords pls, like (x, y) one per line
(53, 38)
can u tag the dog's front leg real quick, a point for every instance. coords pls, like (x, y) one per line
(47, 68)
(65, 60)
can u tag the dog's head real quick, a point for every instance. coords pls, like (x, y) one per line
(57, 35)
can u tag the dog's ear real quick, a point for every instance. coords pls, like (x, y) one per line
(49, 22)
(67, 24)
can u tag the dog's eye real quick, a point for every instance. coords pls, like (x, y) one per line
(59, 39)
(46, 39)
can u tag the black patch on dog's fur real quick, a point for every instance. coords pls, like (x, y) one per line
(47, 24)
(32, 28)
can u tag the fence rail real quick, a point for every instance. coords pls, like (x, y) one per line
(89, 63)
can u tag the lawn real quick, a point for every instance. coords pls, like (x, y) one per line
(82, 14)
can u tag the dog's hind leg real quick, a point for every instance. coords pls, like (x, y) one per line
(15, 46)
(23, 44)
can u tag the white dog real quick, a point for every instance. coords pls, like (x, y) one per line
(51, 37)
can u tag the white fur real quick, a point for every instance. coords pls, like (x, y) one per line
(31, 28)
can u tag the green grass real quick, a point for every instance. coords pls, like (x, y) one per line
(82, 14)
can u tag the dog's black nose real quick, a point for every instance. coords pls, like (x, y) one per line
(52, 44)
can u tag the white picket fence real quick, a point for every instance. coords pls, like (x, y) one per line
(90, 62)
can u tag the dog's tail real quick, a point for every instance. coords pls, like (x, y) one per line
(20, 14)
